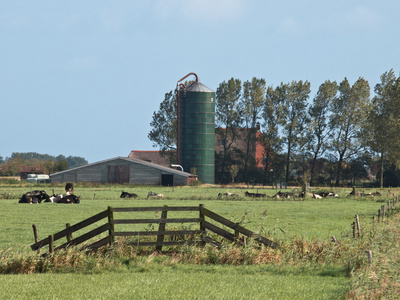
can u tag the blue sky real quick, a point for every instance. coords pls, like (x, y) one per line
(83, 78)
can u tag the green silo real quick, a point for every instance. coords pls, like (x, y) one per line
(196, 129)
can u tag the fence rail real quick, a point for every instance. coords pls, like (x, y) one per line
(113, 222)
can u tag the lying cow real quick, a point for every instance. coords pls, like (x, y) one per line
(54, 198)
(220, 195)
(70, 199)
(282, 195)
(128, 195)
(34, 197)
(154, 195)
(254, 195)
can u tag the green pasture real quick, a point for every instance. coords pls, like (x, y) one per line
(280, 220)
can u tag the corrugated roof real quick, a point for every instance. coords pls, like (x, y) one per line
(139, 161)
(198, 87)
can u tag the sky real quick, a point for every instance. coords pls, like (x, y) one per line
(83, 78)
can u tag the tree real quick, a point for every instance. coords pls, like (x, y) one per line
(319, 132)
(163, 134)
(228, 116)
(72, 162)
(251, 107)
(351, 109)
(270, 139)
(293, 116)
(379, 125)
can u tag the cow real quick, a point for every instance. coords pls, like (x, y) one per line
(227, 195)
(317, 196)
(69, 188)
(70, 199)
(154, 195)
(34, 197)
(54, 198)
(128, 195)
(282, 195)
(254, 195)
(332, 194)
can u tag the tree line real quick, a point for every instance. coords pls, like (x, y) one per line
(340, 135)
(12, 166)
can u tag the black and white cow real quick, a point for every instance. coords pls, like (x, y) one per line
(70, 199)
(154, 195)
(34, 197)
(255, 195)
(128, 195)
(69, 188)
(54, 198)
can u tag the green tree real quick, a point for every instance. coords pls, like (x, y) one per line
(163, 134)
(270, 138)
(251, 107)
(351, 109)
(293, 116)
(380, 121)
(227, 117)
(319, 131)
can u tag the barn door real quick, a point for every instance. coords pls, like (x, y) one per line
(118, 174)
(167, 180)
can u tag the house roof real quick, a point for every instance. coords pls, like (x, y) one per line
(150, 156)
(138, 161)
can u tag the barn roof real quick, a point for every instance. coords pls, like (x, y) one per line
(138, 161)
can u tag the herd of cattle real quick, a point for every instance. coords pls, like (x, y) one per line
(36, 197)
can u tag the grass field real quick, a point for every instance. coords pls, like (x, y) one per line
(281, 221)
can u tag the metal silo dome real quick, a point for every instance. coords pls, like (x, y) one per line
(196, 129)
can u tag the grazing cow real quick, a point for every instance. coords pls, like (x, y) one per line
(254, 195)
(154, 195)
(70, 199)
(227, 195)
(128, 195)
(34, 197)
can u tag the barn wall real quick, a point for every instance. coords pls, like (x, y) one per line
(139, 174)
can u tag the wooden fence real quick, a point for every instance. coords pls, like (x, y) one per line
(206, 220)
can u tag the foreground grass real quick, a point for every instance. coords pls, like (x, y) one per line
(176, 282)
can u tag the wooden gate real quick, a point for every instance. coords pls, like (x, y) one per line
(205, 219)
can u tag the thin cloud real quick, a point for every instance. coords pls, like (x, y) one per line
(212, 10)
(363, 17)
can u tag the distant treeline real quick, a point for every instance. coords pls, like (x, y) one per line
(38, 163)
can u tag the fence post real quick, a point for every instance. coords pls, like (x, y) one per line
(358, 226)
(161, 228)
(379, 216)
(111, 223)
(51, 243)
(369, 254)
(35, 235)
(69, 236)
(353, 225)
(202, 218)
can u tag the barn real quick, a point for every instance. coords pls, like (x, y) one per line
(125, 170)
